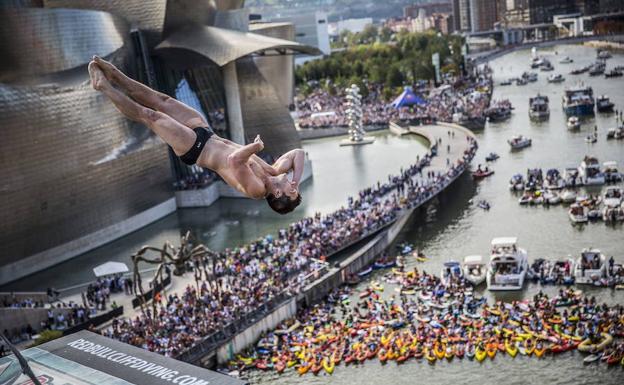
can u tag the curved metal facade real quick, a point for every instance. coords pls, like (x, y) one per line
(36, 41)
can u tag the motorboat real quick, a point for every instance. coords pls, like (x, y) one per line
(568, 196)
(518, 142)
(614, 74)
(536, 62)
(571, 177)
(516, 183)
(546, 66)
(505, 82)
(497, 114)
(451, 272)
(613, 197)
(474, 269)
(492, 156)
(521, 82)
(535, 179)
(578, 213)
(616, 133)
(537, 198)
(556, 78)
(525, 199)
(530, 77)
(538, 107)
(590, 172)
(573, 123)
(611, 172)
(566, 60)
(603, 55)
(508, 265)
(578, 71)
(551, 197)
(590, 267)
(613, 214)
(604, 104)
(578, 101)
(561, 271)
(596, 69)
(485, 205)
(553, 180)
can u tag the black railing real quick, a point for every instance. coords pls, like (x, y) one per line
(95, 321)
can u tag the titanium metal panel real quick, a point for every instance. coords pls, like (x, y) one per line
(71, 165)
(147, 15)
(37, 41)
(278, 70)
(263, 111)
(223, 46)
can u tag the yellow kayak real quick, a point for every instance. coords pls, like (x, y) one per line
(439, 351)
(430, 357)
(587, 346)
(480, 354)
(539, 351)
(328, 366)
(511, 348)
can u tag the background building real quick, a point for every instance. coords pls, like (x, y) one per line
(75, 173)
(483, 15)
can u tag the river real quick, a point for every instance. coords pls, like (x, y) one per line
(458, 227)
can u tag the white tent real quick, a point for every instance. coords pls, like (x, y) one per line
(110, 268)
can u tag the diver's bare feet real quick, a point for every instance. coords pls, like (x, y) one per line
(98, 80)
(107, 67)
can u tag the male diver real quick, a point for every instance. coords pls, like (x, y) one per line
(192, 139)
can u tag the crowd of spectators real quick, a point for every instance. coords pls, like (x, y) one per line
(464, 100)
(244, 279)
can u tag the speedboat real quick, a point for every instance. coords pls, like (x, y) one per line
(480, 174)
(613, 197)
(596, 69)
(566, 60)
(602, 54)
(525, 199)
(554, 181)
(556, 78)
(578, 213)
(568, 196)
(538, 107)
(451, 271)
(611, 172)
(474, 269)
(571, 177)
(551, 197)
(536, 62)
(518, 142)
(546, 66)
(579, 71)
(492, 157)
(573, 123)
(530, 76)
(505, 82)
(562, 271)
(613, 214)
(590, 172)
(485, 205)
(592, 138)
(508, 265)
(604, 104)
(591, 267)
(516, 182)
(535, 179)
(521, 82)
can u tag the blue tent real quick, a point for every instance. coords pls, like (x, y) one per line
(407, 98)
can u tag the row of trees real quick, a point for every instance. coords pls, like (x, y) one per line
(405, 60)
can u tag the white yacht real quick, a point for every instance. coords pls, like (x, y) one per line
(571, 177)
(556, 78)
(474, 269)
(554, 181)
(566, 60)
(578, 213)
(590, 173)
(613, 197)
(590, 267)
(508, 265)
(538, 107)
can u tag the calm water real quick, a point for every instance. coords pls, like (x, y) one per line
(459, 228)
(338, 173)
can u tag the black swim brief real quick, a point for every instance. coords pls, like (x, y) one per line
(203, 136)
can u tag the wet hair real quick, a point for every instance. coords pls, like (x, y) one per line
(283, 204)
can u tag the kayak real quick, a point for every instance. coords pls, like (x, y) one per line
(539, 350)
(511, 349)
(491, 350)
(591, 358)
(328, 366)
(439, 351)
(588, 346)
(480, 354)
